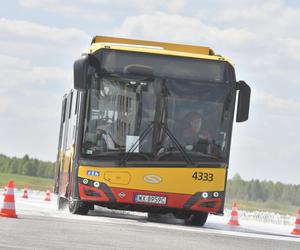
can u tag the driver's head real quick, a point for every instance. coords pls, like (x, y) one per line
(195, 121)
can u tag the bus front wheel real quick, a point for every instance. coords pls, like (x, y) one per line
(196, 219)
(154, 217)
(78, 207)
(61, 202)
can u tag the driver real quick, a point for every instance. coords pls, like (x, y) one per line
(193, 133)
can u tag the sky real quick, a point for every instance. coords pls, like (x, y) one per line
(40, 39)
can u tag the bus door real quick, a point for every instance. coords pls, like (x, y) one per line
(59, 158)
(66, 147)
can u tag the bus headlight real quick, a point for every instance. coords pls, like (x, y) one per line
(204, 195)
(85, 181)
(216, 194)
(96, 184)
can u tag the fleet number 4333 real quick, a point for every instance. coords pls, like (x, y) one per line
(203, 176)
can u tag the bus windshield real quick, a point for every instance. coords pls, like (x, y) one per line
(145, 118)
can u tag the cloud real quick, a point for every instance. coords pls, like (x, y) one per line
(34, 77)
(188, 29)
(274, 14)
(266, 145)
(16, 72)
(65, 9)
(149, 6)
(259, 37)
(43, 45)
(24, 30)
(89, 9)
(273, 42)
(13, 63)
(30, 99)
(280, 105)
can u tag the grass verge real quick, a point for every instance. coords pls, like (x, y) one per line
(268, 206)
(21, 181)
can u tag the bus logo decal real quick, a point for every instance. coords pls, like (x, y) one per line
(122, 195)
(153, 179)
(93, 173)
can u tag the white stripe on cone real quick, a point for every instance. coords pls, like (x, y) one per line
(10, 191)
(8, 205)
(297, 226)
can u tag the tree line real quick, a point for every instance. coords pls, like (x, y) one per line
(26, 166)
(263, 191)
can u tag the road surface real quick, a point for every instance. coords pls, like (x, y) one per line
(41, 226)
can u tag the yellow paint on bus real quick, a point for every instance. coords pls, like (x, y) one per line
(172, 180)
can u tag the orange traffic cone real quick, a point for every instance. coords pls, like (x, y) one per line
(4, 191)
(47, 196)
(8, 208)
(297, 224)
(25, 193)
(234, 216)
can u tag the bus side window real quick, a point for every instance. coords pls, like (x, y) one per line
(74, 116)
(77, 102)
(71, 99)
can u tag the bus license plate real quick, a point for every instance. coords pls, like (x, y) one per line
(151, 199)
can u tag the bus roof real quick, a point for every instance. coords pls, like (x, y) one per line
(174, 49)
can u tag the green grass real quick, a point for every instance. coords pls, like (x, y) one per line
(21, 181)
(268, 206)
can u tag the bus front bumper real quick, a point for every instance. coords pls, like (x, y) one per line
(97, 192)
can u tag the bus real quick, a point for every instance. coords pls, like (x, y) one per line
(147, 127)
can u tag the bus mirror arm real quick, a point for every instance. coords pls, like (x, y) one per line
(243, 101)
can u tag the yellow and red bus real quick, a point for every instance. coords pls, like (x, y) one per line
(148, 128)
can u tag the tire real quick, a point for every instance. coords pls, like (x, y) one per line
(196, 219)
(61, 203)
(182, 215)
(78, 207)
(153, 217)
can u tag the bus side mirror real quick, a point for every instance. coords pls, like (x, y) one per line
(243, 101)
(80, 73)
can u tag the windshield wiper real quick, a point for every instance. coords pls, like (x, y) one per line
(177, 144)
(161, 114)
(136, 144)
